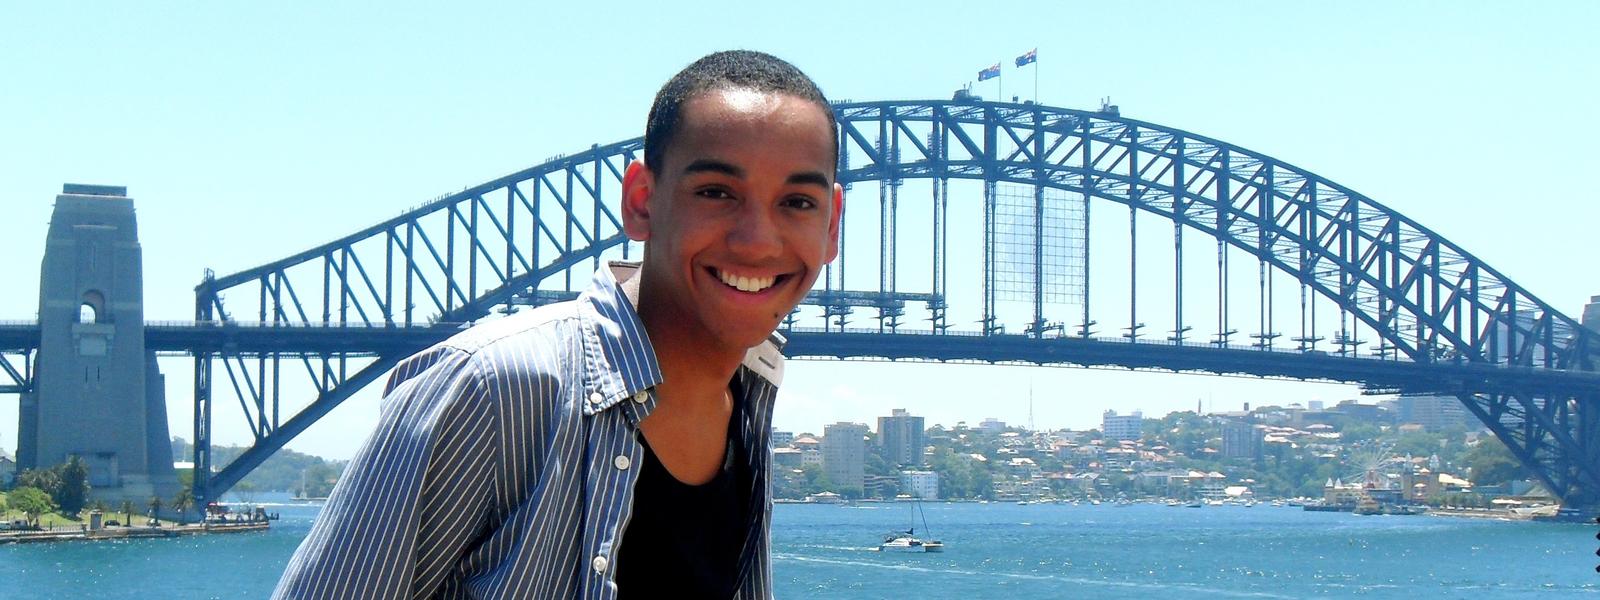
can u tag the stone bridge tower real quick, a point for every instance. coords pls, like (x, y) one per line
(97, 391)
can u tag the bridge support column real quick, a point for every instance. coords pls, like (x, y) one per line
(97, 392)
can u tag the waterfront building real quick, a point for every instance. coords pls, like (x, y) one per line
(900, 438)
(787, 458)
(781, 438)
(844, 453)
(1122, 427)
(8, 468)
(810, 457)
(1023, 467)
(880, 486)
(920, 484)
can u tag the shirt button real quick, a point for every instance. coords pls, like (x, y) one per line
(596, 398)
(642, 397)
(622, 462)
(600, 563)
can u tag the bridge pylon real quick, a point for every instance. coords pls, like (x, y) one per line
(97, 393)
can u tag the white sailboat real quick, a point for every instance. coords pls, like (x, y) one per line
(907, 541)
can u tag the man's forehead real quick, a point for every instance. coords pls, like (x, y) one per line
(743, 99)
(733, 105)
(724, 118)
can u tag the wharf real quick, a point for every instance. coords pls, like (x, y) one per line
(1330, 507)
(125, 533)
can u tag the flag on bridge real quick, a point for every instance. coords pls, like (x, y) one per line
(1031, 57)
(989, 73)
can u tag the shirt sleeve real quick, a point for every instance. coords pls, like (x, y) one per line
(415, 496)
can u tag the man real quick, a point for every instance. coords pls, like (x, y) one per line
(616, 444)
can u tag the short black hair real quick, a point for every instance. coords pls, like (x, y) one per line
(741, 69)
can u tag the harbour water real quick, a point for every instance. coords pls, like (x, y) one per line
(992, 551)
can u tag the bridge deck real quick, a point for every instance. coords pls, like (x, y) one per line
(1385, 374)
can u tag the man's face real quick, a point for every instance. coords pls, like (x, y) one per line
(739, 218)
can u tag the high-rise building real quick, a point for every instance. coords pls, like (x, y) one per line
(1122, 427)
(1435, 413)
(844, 453)
(1241, 439)
(900, 438)
(992, 425)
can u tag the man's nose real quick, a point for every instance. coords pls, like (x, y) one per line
(755, 235)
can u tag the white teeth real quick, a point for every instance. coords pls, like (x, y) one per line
(746, 284)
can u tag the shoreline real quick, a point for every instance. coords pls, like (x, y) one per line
(126, 533)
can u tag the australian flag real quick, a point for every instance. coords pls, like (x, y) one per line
(1031, 57)
(989, 73)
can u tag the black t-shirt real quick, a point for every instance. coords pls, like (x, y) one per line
(684, 540)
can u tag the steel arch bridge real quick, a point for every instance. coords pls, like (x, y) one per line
(1365, 294)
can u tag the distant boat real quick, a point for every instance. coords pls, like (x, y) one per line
(300, 494)
(1194, 504)
(1368, 506)
(907, 541)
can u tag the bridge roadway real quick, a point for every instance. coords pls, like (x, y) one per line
(1384, 375)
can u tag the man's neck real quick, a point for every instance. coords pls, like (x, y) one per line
(694, 372)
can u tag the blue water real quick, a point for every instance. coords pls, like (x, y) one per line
(995, 550)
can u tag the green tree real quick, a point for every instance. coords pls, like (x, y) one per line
(182, 503)
(73, 492)
(33, 503)
(127, 513)
(1492, 463)
(155, 508)
(875, 464)
(44, 480)
(817, 480)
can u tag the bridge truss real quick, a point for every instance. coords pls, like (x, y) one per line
(1248, 250)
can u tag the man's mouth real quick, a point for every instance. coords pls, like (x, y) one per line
(746, 283)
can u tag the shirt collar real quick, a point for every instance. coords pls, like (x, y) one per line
(627, 365)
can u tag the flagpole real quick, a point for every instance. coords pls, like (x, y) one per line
(1036, 76)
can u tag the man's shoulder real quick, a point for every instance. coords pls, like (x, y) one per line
(551, 324)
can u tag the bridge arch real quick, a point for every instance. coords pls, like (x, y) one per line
(504, 242)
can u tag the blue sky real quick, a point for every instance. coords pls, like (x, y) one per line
(247, 133)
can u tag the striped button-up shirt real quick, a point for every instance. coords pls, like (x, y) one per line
(504, 463)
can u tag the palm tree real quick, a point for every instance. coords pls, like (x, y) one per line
(127, 513)
(182, 503)
(155, 510)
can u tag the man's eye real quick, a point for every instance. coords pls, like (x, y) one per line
(714, 193)
(800, 202)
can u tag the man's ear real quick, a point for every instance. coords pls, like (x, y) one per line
(638, 184)
(833, 222)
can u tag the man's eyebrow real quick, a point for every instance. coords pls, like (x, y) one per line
(706, 165)
(811, 177)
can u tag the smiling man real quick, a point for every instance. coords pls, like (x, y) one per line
(615, 445)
